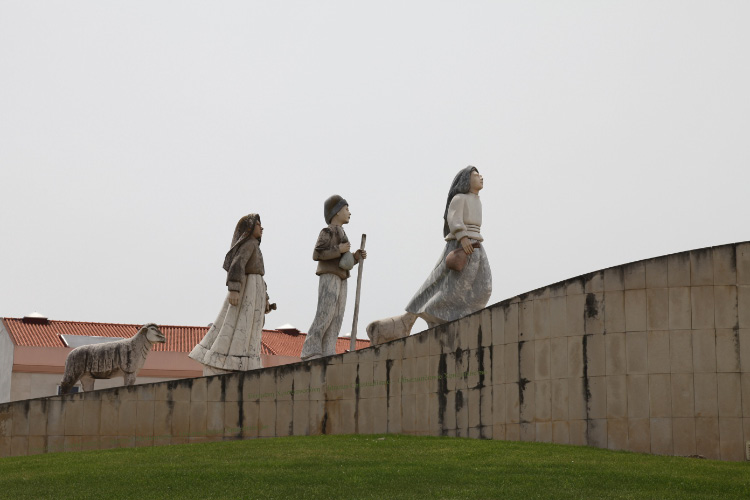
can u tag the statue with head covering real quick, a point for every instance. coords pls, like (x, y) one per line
(233, 341)
(461, 281)
(334, 263)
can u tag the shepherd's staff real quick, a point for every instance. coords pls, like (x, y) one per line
(353, 346)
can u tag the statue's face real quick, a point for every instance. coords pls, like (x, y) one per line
(476, 182)
(343, 216)
(257, 231)
(154, 335)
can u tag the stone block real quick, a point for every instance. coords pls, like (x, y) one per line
(658, 352)
(704, 351)
(683, 395)
(542, 359)
(661, 436)
(162, 419)
(743, 306)
(702, 267)
(214, 389)
(558, 316)
(317, 417)
(394, 414)
(284, 419)
(379, 415)
(301, 382)
(593, 321)
(638, 396)
(578, 431)
(574, 286)
(731, 444)
(365, 380)
(527, 363)
(231, 387)
(511, 363)
(543, 431)
(725, 303)
(393, 378)
(144, 426)
(657, 306)
(727, 351)
(126, 418)
(215, 419)
(498, 432)
(576, 399)
(198, 413)
(594, 282)
(512, 404)
(683, 436)
(615, 354)
(285, 381)
(177, 390)
(486, 339)
(743, 264)
(635, 310)
(5, 442)
(541, 325)
(617, 397)
(526, 321)
(38, 418)
(498, 325)
(301, 417)
(74, 418)
(512, 432)
(447, 412)
(510, 320)
(20, 418)
(706, 403)
(108, 419)
(575, 356)
(180, 419)
(348, 380)
(433, 414)
(656, 273)
(596, 433)
(617, 434)
(595, 357)
(707, 437)
(559, 402)
(614, 279)
(267, 417)
(636, 348)
(702, 306)
(745, 380)
(472, 327)
(462, 412)
(558, 357)
(527, 431)
(560, 432)
(729, 394)
(679, 309)
(660, 395)
(145, 392)
(614, 318)
(473, 407)
(19, 446)
(725, 265)
(681, 351)
(268, 387)
(542, 401)
(678, 269)
(498, 404)
(634, 276)
(498, 364)
(576, 310)
(38, 445)
(597, 404)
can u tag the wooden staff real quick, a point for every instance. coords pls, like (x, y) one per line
(353, 346)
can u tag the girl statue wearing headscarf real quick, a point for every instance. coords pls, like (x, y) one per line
(233, 341)
(449, 293)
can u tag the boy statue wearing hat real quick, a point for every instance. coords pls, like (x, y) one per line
(334, 262)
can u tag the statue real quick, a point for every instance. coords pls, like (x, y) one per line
(334, 262)
(233, 341)
(110, 359)
(461, 282)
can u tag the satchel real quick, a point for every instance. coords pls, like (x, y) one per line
(457, 259)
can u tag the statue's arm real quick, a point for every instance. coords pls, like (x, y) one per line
(456, 223)
(237, 267)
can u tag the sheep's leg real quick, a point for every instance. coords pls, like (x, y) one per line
(128, 378)
(87, 382)
(67, 383)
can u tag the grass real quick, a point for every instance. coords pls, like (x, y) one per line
(389, 466)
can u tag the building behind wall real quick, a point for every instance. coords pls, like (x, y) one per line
(33, 350)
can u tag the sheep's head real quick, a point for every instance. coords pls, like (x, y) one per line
(152, 333)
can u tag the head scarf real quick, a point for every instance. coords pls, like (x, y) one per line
(243, 231)
(461, 185)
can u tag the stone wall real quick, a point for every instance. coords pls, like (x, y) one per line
(6, 363)
(652, 356)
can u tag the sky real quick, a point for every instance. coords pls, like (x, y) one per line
(134, 135)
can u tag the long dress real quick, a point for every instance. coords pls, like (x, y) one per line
(447, 295)
(234, 340)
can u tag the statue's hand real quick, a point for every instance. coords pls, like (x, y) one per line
(466, 245)
(234, 298)
(344, 247)
(360, 254)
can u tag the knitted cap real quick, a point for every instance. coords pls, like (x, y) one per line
(332, 206)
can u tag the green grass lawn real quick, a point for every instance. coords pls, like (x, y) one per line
(388, 467)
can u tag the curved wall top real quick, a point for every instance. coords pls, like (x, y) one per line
(652, 356)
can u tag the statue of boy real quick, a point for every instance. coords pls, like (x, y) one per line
(334, 262)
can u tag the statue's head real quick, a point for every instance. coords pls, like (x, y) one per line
(246, 227)
(152, 333)
(466, 179)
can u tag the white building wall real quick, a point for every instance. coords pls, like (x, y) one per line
(6, 363)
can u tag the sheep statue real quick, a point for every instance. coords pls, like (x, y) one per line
(121, 357)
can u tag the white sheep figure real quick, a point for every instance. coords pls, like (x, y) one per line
(110, 359)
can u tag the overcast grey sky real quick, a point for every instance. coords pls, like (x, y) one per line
(134, 134)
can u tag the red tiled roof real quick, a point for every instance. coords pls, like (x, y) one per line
(179, 338)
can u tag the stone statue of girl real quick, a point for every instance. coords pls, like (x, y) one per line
(451, 291)
(234, 339)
